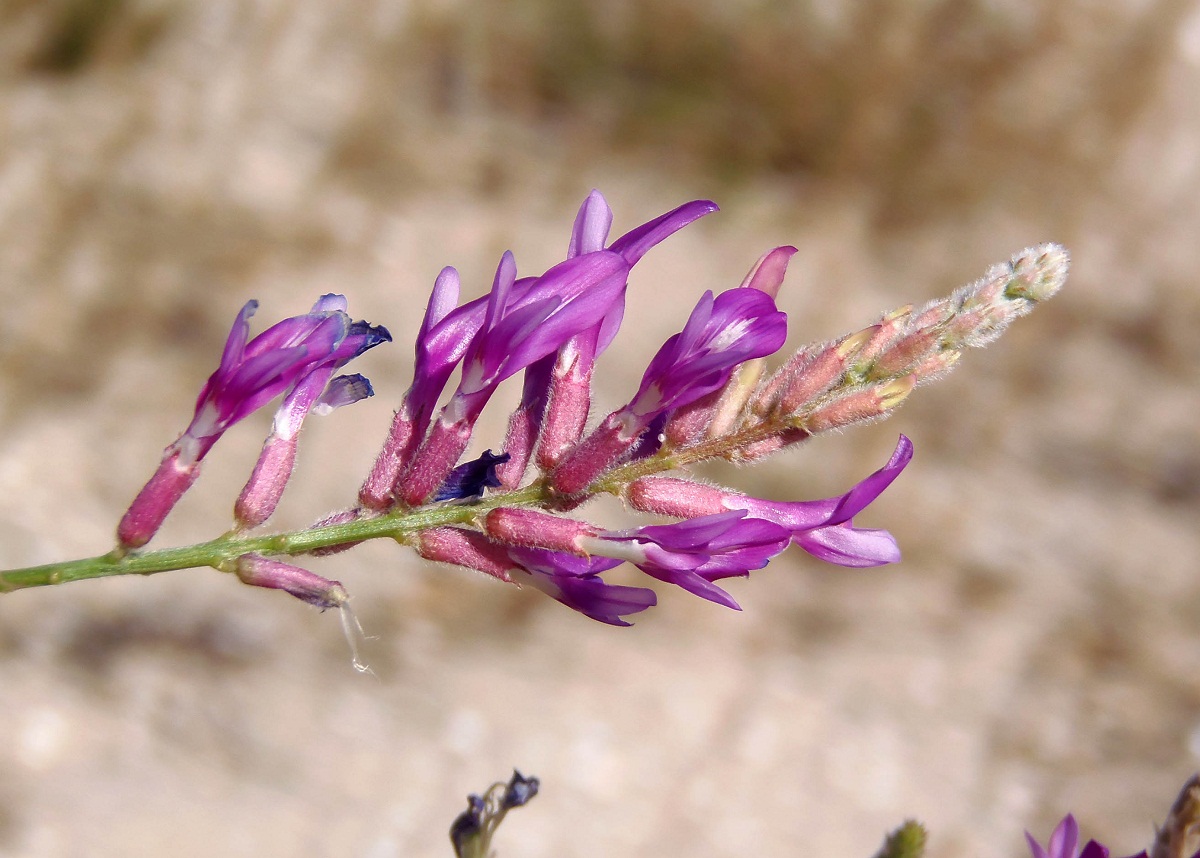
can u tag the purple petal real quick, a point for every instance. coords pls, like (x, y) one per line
(801, 516)
(442, 300)
(330, 303)
(634, 244)
(575, 582)
(343, 390)
(736, 326)
(849, 546)
(239, 334)
(591, 226)
(471, 479)
(1064, 838)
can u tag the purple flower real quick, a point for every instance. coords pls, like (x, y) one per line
(823, 528)
(576, 583)
(722, 332)
(1063, 843)
(253, 372)
(523, 322)
(692, 554)
(556, 395)
(299, 354)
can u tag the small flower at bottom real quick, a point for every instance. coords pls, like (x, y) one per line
(690, 554)
(576, 583)
(823, 528)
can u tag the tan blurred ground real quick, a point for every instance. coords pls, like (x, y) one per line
(1036, 652)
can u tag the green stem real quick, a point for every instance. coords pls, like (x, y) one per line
(223, 550)
(220, 553)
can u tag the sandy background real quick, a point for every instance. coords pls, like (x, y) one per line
(1037, 650)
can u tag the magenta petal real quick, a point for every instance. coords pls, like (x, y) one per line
(722, 332)
(634, 244)
(849, 546)
(576, 583)
(591, 226)
(857, 499)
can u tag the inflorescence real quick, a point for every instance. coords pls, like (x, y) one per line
(706, 394)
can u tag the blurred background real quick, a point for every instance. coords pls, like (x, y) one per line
(162, 161)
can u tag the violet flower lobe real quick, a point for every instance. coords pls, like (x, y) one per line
(690, 554)
(576, 582)
(693, 553)
(823, 528)
(721, 333)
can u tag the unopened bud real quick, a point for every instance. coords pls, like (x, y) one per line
(1038, 273)
(935, 366)
(534, 529)
(865, 404)
(905, 352)
(674, 497)
(465, 548)
(822, 372)
(883, 332)
(760, 449)
(262, 491)
(156, 499)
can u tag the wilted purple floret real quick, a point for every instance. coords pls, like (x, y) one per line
(693, 553)
(576, 583)
(470, 479)
(253, 372)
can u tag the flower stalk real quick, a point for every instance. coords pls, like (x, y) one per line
(707, 393)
